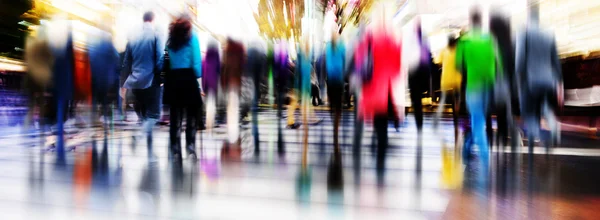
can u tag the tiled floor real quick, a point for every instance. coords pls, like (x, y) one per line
(424, 178)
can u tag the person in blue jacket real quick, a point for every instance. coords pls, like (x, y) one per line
(181, 88)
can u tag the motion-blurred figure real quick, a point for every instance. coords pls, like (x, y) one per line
(539, 78)
(182, 91)
(143, 57)
(231, 79)
(39, 60)
(303, 85)
(450, 82)
(211, 69)
(419, 76)
(317, 82)
(282, 75)
(61, 44)
(505, 88)
(377, 89)
(335, 62)
(476, 57)
(257, 62)
(321, 74)
(104, 65)
(360, 68)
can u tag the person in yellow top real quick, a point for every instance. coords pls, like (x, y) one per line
(450, 81)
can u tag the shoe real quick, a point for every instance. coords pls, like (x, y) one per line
(190, 149)
(293, 126)
(152, 158)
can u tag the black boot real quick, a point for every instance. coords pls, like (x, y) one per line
(191, 150)
(176, 151)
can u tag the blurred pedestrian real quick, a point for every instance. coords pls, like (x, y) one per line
(450, 81)
(104, 64)
(211, 69)
(257, 64)
(477, 58)
(143, 57)
(377, 89)
(505, 87)
(182, 90)
(419, 76)
(231, 79)
(63, 88)
(303, 86)
(282, 77)
(335, 62)
(539, 78)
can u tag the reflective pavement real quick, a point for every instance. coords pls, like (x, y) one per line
(424, 178)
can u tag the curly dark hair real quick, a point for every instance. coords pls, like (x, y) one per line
(180, 32)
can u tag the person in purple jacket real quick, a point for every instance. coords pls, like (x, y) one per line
(282, 75)
(210, 82)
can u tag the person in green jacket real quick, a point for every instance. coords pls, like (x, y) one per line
(476, 57)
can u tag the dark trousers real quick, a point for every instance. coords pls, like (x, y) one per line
(280, 99)
(381, 127)
(419, 82)
(176, 114)
(147, 102)
(147, 105)
(416, 96)
(255, 113)
(358, 131)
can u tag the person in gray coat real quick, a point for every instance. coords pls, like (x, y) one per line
(539, 78)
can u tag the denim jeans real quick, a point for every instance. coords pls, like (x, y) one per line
(477, 103)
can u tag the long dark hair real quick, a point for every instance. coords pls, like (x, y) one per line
(180, 32)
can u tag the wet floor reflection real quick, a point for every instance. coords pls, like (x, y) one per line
(420, 175)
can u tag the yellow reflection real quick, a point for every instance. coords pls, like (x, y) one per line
(452, 172)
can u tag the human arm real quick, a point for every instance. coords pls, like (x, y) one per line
(196, 56)
(557, 70)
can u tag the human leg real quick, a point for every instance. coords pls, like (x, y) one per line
(175, 118)
(477, 107)
(440, 109)
(191, 128)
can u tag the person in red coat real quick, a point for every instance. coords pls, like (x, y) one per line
(378, 101)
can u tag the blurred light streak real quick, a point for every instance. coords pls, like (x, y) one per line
(285, 14)
(94, 5)
(75, 9)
